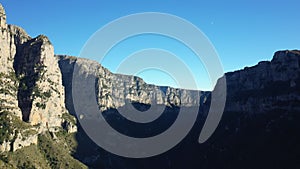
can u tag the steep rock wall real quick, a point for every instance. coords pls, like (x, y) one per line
(115, 90)
(31, 91)
(266, 86)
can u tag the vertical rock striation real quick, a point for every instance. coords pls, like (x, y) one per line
(10, 37)
(266, 86)
(40, 94)
(30, 87)
(115, 90)
(2, 17)
(33, 88)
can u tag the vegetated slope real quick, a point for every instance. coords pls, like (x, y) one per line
(259, 129)
(36, 130)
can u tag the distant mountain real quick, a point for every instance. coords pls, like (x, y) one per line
(38, 128)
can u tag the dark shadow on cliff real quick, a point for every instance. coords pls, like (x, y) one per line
(263, 135)
(29, 68)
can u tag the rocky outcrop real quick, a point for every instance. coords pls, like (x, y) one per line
(10, 36)
(22, 141)
(40, 94)
(268, 85)
(257, 89)
(30, 85)
(66, 64)
(115, 90)
(261, 113)
(5, 146)
(2, 16)
(16, 134)
(70, 127)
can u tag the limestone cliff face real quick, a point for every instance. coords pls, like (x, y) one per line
(10, 37)
(115, 90)
(40, 94)
(36, 89)
(253, 90)
(2, 16)
(266, 86)
(262, 101)
(30, 84)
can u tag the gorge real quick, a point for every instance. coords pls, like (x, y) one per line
(39, 127)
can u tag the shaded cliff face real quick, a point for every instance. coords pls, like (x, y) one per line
(39, 92)
(259, 128)
(261, 114)
(268, 85)
(260, 124)
(32, 109)
(257, 89)
(116, 90)
(10, 36)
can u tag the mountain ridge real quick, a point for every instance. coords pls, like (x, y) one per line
(37, 111)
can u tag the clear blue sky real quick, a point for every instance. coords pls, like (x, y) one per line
(243, 32)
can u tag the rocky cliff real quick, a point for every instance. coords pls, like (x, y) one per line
(115, 90)
(268, 85)
(261, 112)
(253, 89)
(30, 85)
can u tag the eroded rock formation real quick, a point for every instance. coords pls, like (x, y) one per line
(115, 90)
(268, 85)
(261, 113)
(30, 83)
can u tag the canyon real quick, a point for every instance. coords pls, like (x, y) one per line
(259, 128)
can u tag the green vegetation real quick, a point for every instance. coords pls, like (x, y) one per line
(27, 157)
(10, 124)
(48, 154)
(6, 128)
(58, 152)
(10, 85)
(40, 105)
(29, 89)
(38, 93)
(69, 117)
